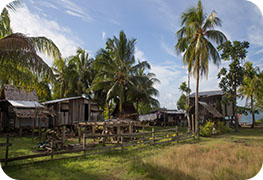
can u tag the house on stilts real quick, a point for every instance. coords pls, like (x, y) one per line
(20, 110)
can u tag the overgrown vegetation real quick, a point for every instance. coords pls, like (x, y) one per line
(232, 156)
(221, 128)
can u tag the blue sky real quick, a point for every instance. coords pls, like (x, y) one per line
(88, 24)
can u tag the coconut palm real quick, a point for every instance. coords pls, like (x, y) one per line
(82, 73)
(117, 69)
(21, 50)
(143, 93)
(250, 86)
(194, 41)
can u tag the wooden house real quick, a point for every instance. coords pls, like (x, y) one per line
(20, 109)
(211, 105)
(69, 111)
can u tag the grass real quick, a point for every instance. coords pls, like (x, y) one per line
(228, 156)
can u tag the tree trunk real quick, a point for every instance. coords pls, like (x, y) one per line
(234, 108)
(121, 98)
(188, 105)
(196, 103)
(253, 112)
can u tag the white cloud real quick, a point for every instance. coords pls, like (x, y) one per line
(25, 22)
(103, 35)
(75, 10)
(139, 55)
(170, 77)
(168, 49)
(46, 4)
(113, 21)
(74, 13)
(255, 36)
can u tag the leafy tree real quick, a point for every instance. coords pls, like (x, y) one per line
(194, 41)
(182, 102)
(232, 77)
(259, 93)
(249, 87)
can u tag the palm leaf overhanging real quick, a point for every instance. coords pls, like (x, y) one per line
(21, 50)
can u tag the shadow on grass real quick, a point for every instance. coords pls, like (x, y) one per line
(152, 171)
(56, 170)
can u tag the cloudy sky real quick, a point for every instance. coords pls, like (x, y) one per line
(154, 23)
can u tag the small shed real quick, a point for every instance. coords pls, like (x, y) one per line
(19, 108)
(72, 110)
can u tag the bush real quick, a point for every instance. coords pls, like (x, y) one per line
(206, 129)
(221, 128)
(259, 121)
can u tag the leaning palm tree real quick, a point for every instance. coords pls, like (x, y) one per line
(194, 41)
(21, 50)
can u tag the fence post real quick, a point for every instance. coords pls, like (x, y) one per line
(104, 133)
(39, 127)
(122, 139)
(79, 133)
(63, 135)
(118, 133)
(93, 132)
(176, 132)
(153, 135)
(84, 144)
(193, 126)
(143, 131)
(52, 148)
(6, 151)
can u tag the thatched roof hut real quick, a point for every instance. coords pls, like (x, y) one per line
(20, 108)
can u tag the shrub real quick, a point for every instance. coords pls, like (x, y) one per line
(221, 128)
(206, 129)
(259, 121)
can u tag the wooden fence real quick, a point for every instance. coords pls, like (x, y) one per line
(123, 140)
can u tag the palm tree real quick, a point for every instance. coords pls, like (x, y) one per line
(61, 73)
(82, 73)
(21, 50)
(116, 69)
(143, 92)
(194, 42)
(184, 88)
(250, 86)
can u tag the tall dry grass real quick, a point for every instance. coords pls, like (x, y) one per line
(217, 161)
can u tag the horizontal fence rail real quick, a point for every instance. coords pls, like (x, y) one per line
(152, 137)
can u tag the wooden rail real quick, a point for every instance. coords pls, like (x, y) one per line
(153, 138)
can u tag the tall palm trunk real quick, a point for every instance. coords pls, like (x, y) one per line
(234, 108)
(253, 112)
(121, 98)
(188, 105)
(196, 102)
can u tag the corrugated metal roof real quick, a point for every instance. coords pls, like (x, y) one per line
(25, 104)
(208, 93)
(63, 99)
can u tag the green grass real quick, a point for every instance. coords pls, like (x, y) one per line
(228, 156)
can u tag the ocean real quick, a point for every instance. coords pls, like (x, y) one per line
(248, 118)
